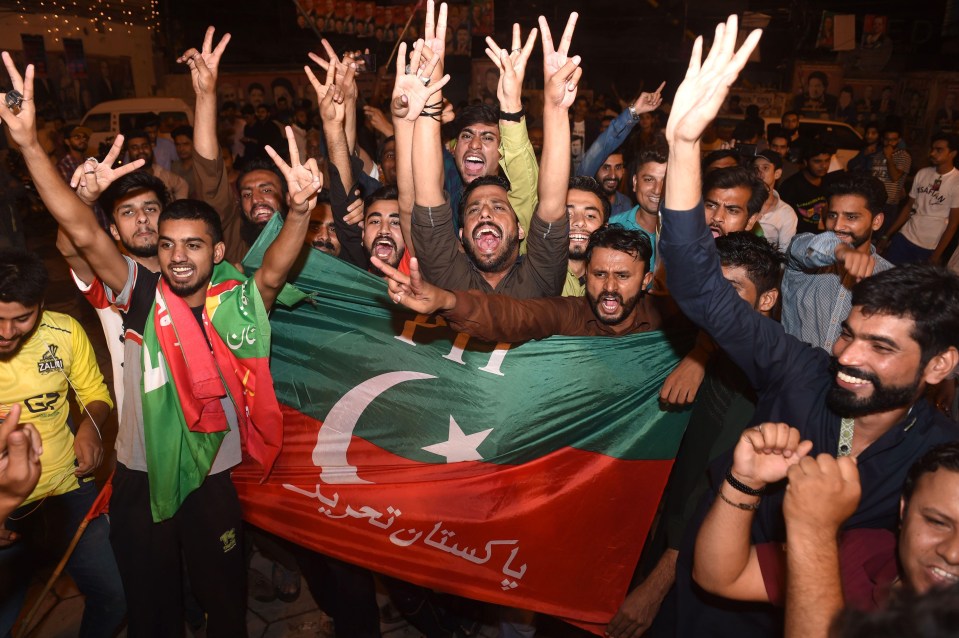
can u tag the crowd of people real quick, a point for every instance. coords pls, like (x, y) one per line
(812, 488)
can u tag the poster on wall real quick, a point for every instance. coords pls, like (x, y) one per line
(815, 89)
(76, 60)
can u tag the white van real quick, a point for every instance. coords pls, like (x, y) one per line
(847, 140)
(106, 119)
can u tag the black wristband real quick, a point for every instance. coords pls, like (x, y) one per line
(512, 117)
(740, 486)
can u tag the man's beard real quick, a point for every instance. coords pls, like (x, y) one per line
(577, 254)
(626, 306)
(498, 262)
(397, 253)
(249, 231)
(845, 403)
(143, 252)
(22, 340)
(855, 240)
(324, 244)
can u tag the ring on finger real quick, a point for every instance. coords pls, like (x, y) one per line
(92, 159)
(515, 50)
(425, 81)
(13, 99)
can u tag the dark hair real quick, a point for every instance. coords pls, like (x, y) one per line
(590, 185)
(818, 75)
(229, 104)
(928, 295)
(761, 260)
(133, 134)
(951, 139)
(23, 277)
(284, 82)
(646, 156)
(381, 194)
(862, 184)
(485, 180)
(261, 164)
(889, 129)
(186, 130)
(735, 177)
(814, 148)
(777, 131)
(722, 153)
(255, 85)
(632, 242)
(783, 116)
(943, 456)
(933, 614)
(247, 110)
(476, 114)
(130, 183)
(147, 119)
(194, 209)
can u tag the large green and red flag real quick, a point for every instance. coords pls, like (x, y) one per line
(524, 475)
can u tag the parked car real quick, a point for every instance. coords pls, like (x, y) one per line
(106, 119)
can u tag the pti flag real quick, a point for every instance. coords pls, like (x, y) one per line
(525, 475)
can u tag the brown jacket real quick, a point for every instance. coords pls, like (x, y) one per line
(500, 318)
(541, 272)
(213, 187)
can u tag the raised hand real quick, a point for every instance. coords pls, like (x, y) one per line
(22, 124)
(822, 493)
(204, 64)
(434, 33)
(647, 102)
(512, 68)
(765, 453)
(341, 67)
(414, 84)
(303, 181)
(706, 85)
(333, 103)
(561, 73)
(412, 291)
(93, 177)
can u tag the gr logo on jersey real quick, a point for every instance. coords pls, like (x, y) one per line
(42, 402)
(49, 362)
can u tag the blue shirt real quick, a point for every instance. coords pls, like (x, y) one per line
(627, 220)
(816, 297)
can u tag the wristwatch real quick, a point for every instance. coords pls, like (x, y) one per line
(633, 114)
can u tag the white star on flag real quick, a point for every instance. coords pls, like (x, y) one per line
(460, 446)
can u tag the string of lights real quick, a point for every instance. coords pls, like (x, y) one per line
(68, 18)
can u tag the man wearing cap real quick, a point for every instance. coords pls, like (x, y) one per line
(778, 219)
(77, 139)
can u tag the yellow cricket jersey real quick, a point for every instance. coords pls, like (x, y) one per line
(36, 378)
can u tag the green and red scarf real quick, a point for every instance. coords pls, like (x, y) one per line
(185, 377)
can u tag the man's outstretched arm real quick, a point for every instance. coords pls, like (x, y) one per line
(75, 217)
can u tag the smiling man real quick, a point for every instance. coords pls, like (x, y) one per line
(824, 568)
(43, 355)
(864, 401)
(588, 210)
(822, 269)
(649, 175)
